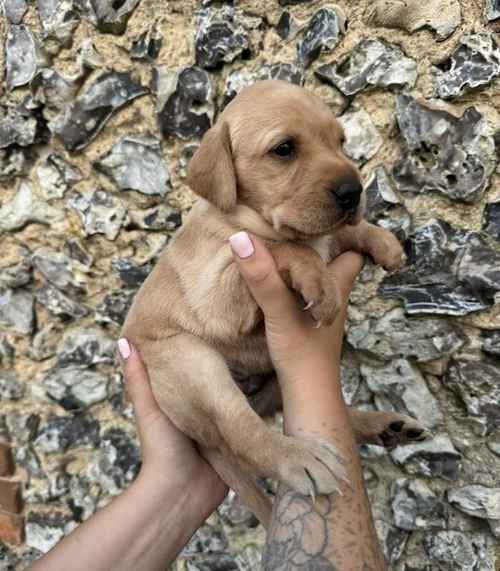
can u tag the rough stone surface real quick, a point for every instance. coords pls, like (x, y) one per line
(414, 505)
(371, 63)
(399, 386)
(446, 272)
(441, 16)
(476, 62)
(478, 501)
(135, 164)
(322, 34)
(394, 335)
(88, 83)
(476, 384)
(432, 458)
(362, 137)
(450, 155)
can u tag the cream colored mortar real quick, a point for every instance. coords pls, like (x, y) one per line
(176, 22)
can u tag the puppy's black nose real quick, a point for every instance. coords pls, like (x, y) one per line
(348, 195)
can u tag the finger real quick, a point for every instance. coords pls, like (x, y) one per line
(345, 269)
(137, 380)
(259, 271)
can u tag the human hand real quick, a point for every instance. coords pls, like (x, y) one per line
(169, 458)
(296, 347)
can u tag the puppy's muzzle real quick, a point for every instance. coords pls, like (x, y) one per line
(348, 195)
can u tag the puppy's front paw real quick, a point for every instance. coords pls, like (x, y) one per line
(311, 467)
(385, 249)
(320, 294)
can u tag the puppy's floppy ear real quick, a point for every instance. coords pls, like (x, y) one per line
(210, 172)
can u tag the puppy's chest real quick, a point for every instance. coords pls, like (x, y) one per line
(323, 246)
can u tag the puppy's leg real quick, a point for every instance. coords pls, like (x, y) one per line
(305, 272)
(380, 244)
(388, 429)
(194, 387)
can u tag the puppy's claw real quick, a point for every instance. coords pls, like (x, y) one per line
(317, 325)
(309, 305)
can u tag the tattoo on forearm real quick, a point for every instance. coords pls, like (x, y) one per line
(299, 536)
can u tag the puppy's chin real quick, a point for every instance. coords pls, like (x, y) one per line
(303, 226)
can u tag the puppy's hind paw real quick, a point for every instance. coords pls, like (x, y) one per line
(400, 429)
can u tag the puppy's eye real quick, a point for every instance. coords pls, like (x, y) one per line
(285, 149)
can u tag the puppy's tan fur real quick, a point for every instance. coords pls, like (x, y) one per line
(194, 320)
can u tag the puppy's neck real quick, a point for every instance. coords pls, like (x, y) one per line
(247, 218)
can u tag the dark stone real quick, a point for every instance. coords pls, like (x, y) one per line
(431, 458)
(384, 207)
(148, 45)
(56, 176)
(17, 311)
(239, 79)
(56, 268)
(131, 274)
(476, 384)
(162, 217)
(491, 219)
(491, 342)
(121, 457)
(216, 562)
(372, 62)
(59, 304)
(58, 20)
(414, 505)
(456, 550)
(492, 9)
(85, 346)
(207, 539)
(135, 163)
(108, 16)
(21, 58)
(448, 271)
(55, 92)
(7, 352)
(222, 35)
(17, 126)
(114, 307)
(15, 10)
(14, 162)
(283, 25)
(100, 213)
(74, 388)
(77, 252)
(475, 63)
(393, 540)
(322, 34)
(444, 153)
(184, 101)
(59, 433)
(16, 275)
(84, 118)
(8, 559)
(10, 388)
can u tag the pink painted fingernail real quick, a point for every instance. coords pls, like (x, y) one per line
(124, 348)
(241, 245)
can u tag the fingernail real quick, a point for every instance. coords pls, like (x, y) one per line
(241, 244)
(124, 348)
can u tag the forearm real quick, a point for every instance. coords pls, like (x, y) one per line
(144, 528)
(336, 531)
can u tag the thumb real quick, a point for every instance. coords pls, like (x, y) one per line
(137, 382)
(258, 269)
(344, 270)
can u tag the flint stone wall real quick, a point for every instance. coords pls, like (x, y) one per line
(102, 105)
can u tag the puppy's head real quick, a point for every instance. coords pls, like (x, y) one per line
(278, 149)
